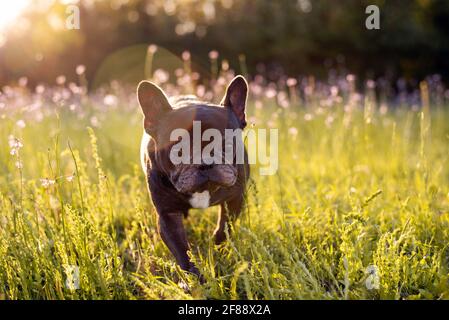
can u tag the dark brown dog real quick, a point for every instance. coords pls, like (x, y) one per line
(177, 188)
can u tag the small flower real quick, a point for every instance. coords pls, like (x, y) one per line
(14, 144)
(23, 81)
(179, 72)
(186, 56)
(270, 93)
(81, 69)
(161, 76)
(334, 91)
(308, 117)
(152, 48)
(282, 99)
(18, 164)
(70, 178)
(225, 65)
(350, 78)
(293, 131)
(308, 90)
(60, 80)
(253, 121)
(195, 76)
(371, 84)
(94, 121)
(40, 89)
(21, 124)
(291, 82)
(47, 182)
(213, 55)
(110, 100)
(329, 120)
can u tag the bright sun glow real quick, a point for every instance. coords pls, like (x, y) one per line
(10, 10)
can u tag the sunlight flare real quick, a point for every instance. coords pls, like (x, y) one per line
(10, 10)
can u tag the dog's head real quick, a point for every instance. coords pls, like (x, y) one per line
(186, 148)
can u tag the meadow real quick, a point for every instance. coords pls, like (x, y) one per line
(359, 208)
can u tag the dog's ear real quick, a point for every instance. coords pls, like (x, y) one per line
(154, 104)
(235, 98)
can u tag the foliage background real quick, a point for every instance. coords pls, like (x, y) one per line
(295, 36)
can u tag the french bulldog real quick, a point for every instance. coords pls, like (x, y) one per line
(176, 188)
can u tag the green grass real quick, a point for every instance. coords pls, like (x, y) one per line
(350, 196)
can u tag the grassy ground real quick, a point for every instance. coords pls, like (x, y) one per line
(358, 209)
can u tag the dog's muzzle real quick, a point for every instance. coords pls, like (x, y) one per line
(194, 178)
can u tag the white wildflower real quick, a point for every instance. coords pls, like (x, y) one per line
(14, 144)
(47, 182)
(18, 164)
(110, 100)
(293, 131)
(21, 124)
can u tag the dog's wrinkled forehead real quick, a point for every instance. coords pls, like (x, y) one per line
(208, 116)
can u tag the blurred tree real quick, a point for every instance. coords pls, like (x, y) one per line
(297, 36)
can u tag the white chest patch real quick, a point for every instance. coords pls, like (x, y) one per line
(200, 200)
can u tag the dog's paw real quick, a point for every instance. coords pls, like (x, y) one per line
(194, 270)
(219, 237)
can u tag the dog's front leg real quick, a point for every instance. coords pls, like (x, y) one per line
(229, 210)
(223, 217)
(171, 229)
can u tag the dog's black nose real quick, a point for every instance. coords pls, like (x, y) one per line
(205, 167)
